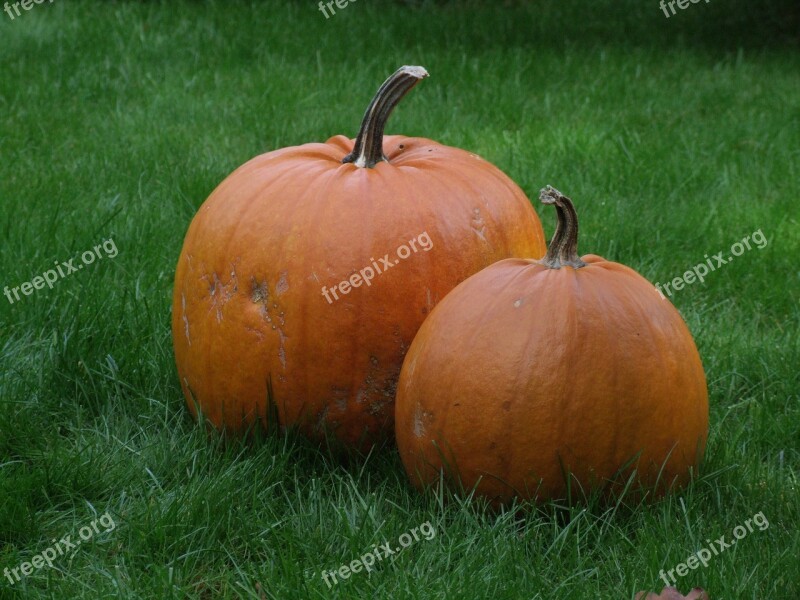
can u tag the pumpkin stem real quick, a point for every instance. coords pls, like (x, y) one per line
(368, 149)
(563, 248)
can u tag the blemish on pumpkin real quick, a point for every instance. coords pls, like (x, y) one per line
(283, 284)
(389, 392)
(282, 356)
(216, 302)
(518, 303)
(403, 347)
(377, 408)
(365, 390)
(282, 349)
(369, 389)
(506, 405)
(219, 294)
(259, 294)
(478, 224)
(185, 320)
(412, 366)
(321, 417)
(259, 291)
(234, 279)
(419, 428)
(257, 332)
(338, 398)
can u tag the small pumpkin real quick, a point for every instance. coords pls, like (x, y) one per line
(313, 266)
(534, 377)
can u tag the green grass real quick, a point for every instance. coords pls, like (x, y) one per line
(675, 137)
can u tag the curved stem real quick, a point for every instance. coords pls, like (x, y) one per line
(563, 248)
(368, 149)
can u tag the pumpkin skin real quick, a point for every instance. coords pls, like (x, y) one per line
(527, 371)
(248, 303)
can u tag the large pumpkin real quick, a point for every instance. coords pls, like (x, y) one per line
(535, 377)
(312, 267)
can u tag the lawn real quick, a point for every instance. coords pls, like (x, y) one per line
(676, 137)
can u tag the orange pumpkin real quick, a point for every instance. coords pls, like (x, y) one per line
(313, 267)
(535, 375)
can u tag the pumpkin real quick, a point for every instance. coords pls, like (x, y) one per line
(545, 379)
(305, 275)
